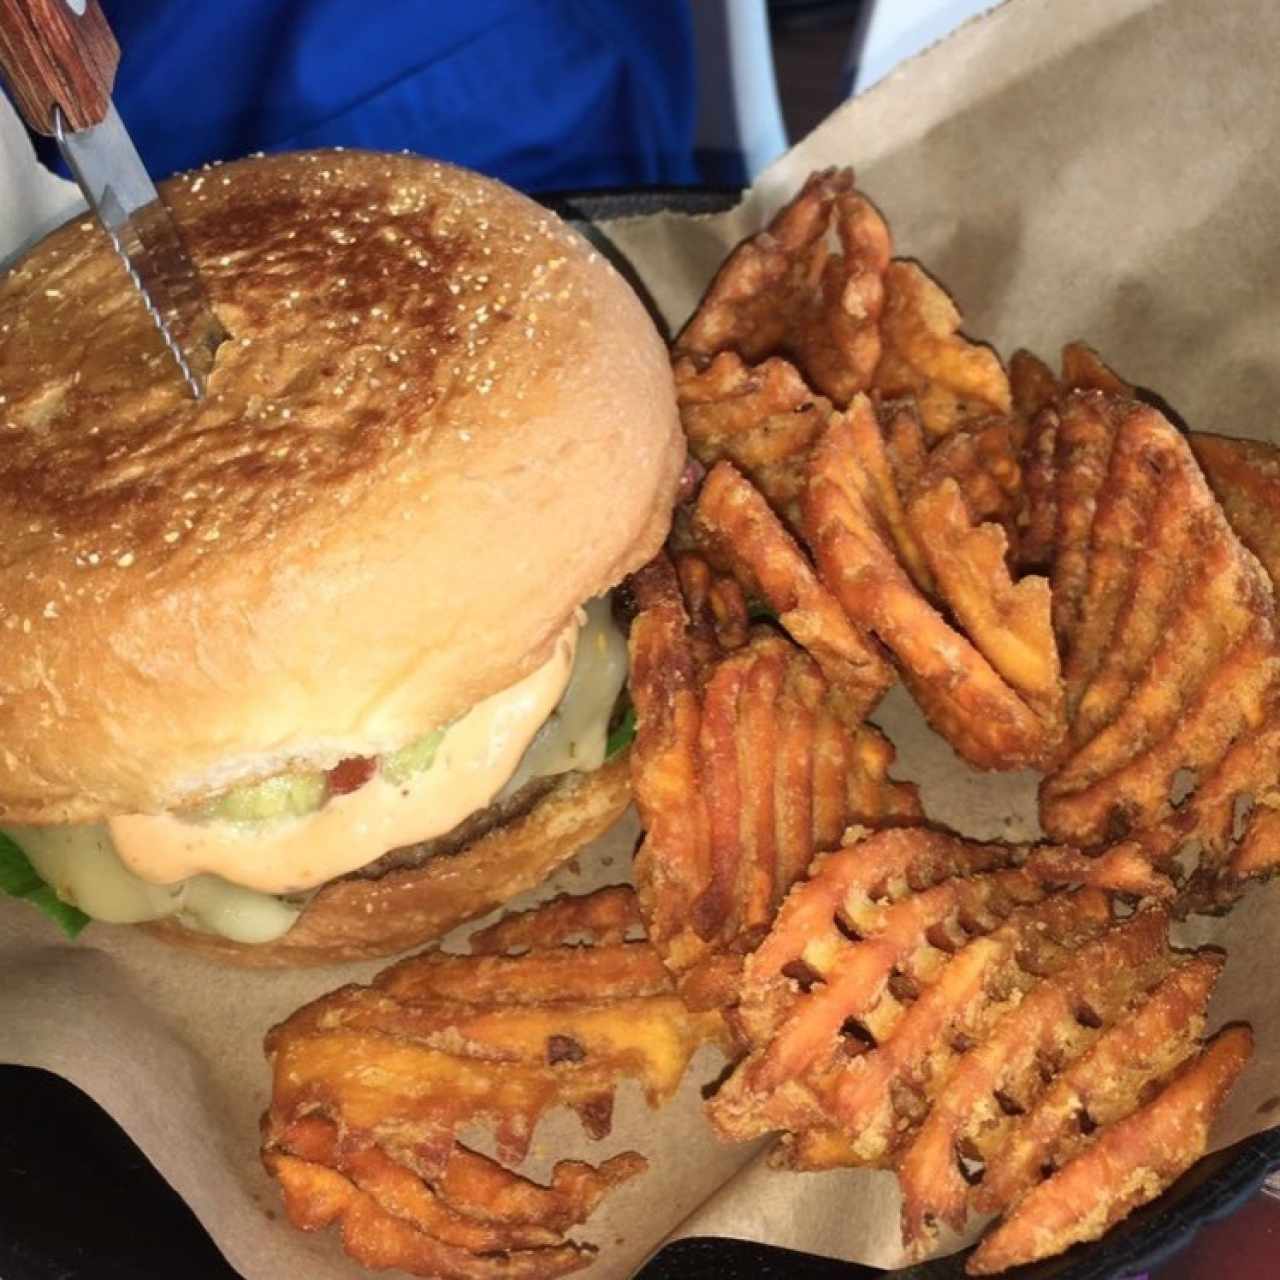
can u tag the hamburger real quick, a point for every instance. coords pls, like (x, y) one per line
(323, 664)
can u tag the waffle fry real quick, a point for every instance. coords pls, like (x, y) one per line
(666, 766)
(980, 1018)
(911, 888)
(1038, 518)
(1083, 369)
(982, 460)
(1082, 451)
(949, 1009)
(904, 443)
(951, 379)
(1165, 620)
(371, 1086)
(965, 698)
(763, 418)
(317, 1196)
(744, 765)
(1094, 985)
(1106, 1083)
(1036, 392)
(749, 541)
(784, 292)
(606, 917)
(1038, 397)
(477, 1205)
(1245, 478)
(1160, 559)
(1033, 386)
(1008, 622)
(1130, 1164)
(1139, 476)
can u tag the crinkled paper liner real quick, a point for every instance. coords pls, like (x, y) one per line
(1101, 169)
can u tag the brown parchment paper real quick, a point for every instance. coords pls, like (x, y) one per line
(1101, 169)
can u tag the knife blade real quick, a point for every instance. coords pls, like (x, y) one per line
(59, 59)
(111, 174)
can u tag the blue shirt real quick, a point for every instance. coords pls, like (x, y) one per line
(545, 94)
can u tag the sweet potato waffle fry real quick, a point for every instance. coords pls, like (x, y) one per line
(904, 444)
(951, 379)
(1037, 398)
(371, 1086)
(480, 1220)
(737, 527)
(1245, 477)
(1039, 555)
(763, 418)
(1166, 624)
(785, 292)
(1083, 369)
(952, 1010)
(1164, 619)
(869, 472)
(747, 760)
(1033, 386)
(982, 460)
(789, 329)
(1007, 621)
(1130, 1164)
(864, 550)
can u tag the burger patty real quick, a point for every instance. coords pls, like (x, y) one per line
(468, 831)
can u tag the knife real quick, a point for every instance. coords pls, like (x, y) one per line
(59, 59)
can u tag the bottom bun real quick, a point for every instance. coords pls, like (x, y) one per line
(357, 917)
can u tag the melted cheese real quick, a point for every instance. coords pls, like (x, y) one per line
(478, 754)
(82, 865)
(83, 869)
(576, 734)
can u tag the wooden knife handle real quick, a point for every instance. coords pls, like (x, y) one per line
(51, 54)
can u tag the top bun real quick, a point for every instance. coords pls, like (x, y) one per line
(440, 423)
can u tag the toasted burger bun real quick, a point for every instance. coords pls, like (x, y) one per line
(441, 423)
(359, 916)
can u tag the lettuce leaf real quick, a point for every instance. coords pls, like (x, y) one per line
(622, 730)
(18, 879)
